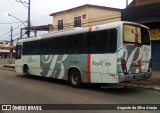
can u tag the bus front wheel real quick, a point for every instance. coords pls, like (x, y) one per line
(26, 70)
(75, 78)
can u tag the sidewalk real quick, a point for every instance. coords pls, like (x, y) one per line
(9, 67)
(151, 83)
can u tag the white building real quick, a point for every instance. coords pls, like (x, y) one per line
(5, 49)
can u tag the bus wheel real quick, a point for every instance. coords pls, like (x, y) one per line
(26, 71)
(75, 78)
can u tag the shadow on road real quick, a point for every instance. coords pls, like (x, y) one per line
(113, 89)
(105, 88)
(45, 79)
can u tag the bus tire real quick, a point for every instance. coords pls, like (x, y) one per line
(75, 78)
(26, 71)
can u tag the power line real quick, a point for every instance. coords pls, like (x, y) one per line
(18, 26)
(11, 22)
(5, 33)
(10, 31)
(19, 37)
(29, 14)
(4, 38)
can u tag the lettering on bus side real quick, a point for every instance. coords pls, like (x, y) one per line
(102, 62)
(53, 65)
(74, 62)
(30, 60)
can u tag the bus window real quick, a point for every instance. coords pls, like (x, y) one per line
(132, 34)
(112, 41)
(75, 44)
(104, 41)
(18, 51)
(136, 35)
(26, 48)
(145, 36)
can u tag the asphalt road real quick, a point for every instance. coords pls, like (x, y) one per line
(19, 89)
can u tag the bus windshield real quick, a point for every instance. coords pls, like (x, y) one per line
(18, 51)
(136, 34)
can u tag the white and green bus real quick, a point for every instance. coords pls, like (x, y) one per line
(109, 53)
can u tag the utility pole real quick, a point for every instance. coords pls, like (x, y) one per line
(126, 3)
(29, 9)
(11, 46)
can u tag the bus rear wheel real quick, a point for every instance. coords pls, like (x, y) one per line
(75, 78)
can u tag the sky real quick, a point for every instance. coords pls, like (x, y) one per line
(40, 11)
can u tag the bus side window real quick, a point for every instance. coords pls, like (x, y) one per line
(112, 41)
(26, 48)
(75, 44)
(57, 45)
(45, 47)
(104, 41)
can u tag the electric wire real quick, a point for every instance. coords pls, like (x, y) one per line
(12, 22)
(10, 31)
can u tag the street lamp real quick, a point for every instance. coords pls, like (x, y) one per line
(26, 28)
(8, 14)
(11, 42)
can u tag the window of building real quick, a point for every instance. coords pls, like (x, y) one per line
(60, 24)
(84, 16)
(77, 21)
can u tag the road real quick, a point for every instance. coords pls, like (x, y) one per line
(19, 89)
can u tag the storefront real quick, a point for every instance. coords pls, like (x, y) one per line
(6, 53)
(155, 37)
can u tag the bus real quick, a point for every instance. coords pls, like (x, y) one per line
(109, 53)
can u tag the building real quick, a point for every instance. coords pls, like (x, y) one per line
(85, 15)
(147, 12)
(5, 49)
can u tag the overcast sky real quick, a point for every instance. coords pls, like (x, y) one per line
(40, 11)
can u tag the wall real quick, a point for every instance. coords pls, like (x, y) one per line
(102, 16)
(4, 44)
(68, 18)
(94, 15)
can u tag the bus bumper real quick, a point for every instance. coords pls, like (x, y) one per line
(133, 77)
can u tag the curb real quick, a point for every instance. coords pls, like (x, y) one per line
(157, 88)
(9, 66)
(8, 69)
(145, 87)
